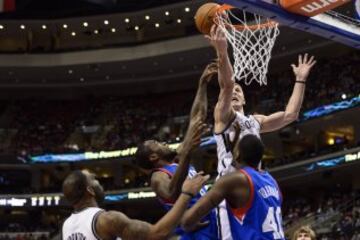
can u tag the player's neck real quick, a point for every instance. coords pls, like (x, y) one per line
(87, 203)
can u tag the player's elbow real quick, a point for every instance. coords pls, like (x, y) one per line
(291, 117)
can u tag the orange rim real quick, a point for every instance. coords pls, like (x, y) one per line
(267, 24)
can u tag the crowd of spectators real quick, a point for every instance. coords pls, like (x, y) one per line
(334, 216)
(108, 123)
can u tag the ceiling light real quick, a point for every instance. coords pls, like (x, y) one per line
(65, 26)
(113, 30)
(22, 26)
(167, 13)
(136, 28)
(96, 31)
(343, 96)
(73, 34)
(179, 20)
(43, 27)
(157, 25)
(147, 17)
(127, 20)
(107, 77)
(70, 71)
(1, 27)
(82, 79)
(85, 24)
(187, 9)
(106, 22)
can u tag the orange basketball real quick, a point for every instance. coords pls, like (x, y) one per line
(204, 17)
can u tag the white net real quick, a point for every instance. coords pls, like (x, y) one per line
(252, 38)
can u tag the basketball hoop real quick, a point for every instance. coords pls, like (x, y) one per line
(252, 38)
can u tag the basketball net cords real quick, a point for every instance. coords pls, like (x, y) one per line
(251, 43)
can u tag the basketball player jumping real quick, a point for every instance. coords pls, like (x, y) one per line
(230, 110)
(168, 176)
(253, 197)
(90, 222)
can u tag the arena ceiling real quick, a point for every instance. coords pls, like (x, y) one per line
(38, 27)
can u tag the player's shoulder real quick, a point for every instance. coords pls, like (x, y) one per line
(235, 179)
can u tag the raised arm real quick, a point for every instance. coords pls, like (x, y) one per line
(278, 120)
(222, 189)
(170, 188)
(199, 106)
(115, 224)
(223, 112)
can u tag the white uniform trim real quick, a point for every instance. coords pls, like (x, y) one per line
(248, 125)
(81, 225)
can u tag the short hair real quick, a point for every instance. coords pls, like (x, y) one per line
(142, 156)
(74, 186)
(304, 229)
(251, 150)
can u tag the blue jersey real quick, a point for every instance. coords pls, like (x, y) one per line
(261, 218)
(206, 233)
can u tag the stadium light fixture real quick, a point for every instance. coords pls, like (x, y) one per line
(22, 26)
(179, 20)
(1, 27)
(43, 27)
(73, 34)
(85, 24)
(147, 17)
(187, 9)
(113, 30)
(136, 28)
(65, 26)
(343, 96)
(106, 22)
(127, 20)
(96, 31)
(157, 25)
(167, 13)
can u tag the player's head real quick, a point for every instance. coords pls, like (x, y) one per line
(151, 153)
(304, 233)
(238, 98)
(82, 186)
(249, 150)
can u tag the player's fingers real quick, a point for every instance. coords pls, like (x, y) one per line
(212, 30)
(311, 60)
(205, 178)
(313, 63)
(305, 58)
(199, 174)
(300, 59)
(293, 66)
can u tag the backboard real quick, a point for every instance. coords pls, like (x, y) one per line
(333, 25)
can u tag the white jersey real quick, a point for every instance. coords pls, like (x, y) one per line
(248, 125)
(81, 225)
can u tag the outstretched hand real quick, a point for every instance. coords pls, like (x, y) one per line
(194, 184)
(217, 39)
(210, 70)
(303, 68)
(192, 138)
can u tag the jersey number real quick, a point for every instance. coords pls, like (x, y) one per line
(273, 222)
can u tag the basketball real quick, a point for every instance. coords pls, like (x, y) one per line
(204, 17)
